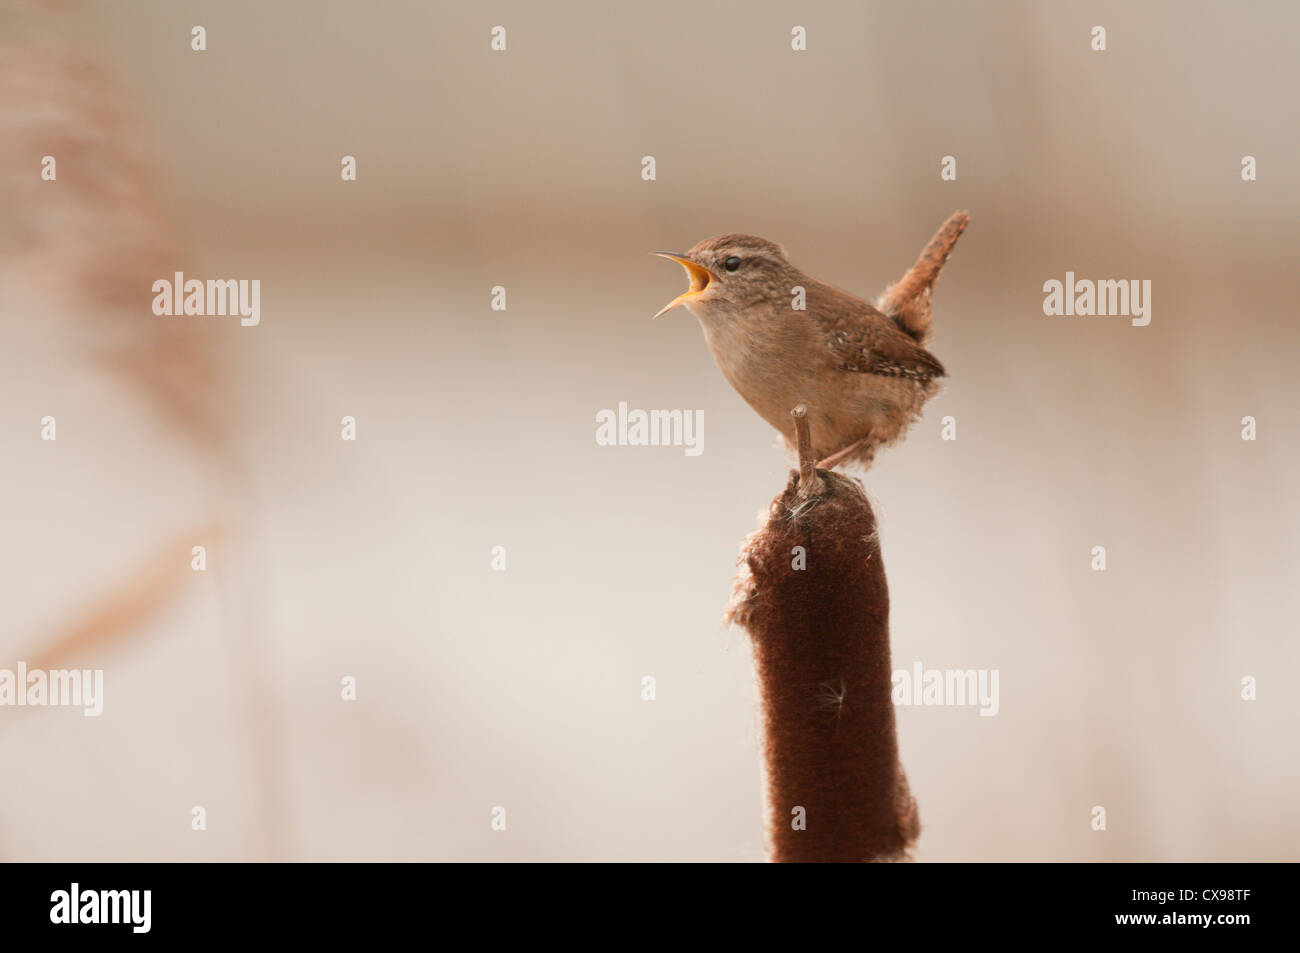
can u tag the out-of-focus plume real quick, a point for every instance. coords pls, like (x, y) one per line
(84, 249)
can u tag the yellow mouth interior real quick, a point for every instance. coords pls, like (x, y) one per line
(699, 276)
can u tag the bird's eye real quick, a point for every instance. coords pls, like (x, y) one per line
(732, 263)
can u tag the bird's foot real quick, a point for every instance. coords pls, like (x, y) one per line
(839, 456)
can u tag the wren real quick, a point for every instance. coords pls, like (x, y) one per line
(782, 338)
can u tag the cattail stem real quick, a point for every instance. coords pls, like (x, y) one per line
(803, 439)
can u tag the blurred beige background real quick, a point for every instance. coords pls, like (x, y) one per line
(476, 427)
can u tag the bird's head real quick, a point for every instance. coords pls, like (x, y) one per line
(731, 273)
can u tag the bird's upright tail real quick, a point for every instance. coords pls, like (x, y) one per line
(907, 301)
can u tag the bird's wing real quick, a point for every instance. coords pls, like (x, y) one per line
(863, 340)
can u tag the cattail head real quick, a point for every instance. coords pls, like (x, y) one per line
(812, 594)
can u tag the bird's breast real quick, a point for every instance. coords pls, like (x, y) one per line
(766, 366)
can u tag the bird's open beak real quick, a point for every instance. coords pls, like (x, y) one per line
(700, 279)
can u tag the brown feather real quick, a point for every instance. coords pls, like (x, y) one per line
(864, 340)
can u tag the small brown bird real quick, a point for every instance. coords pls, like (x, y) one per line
(863, 372)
